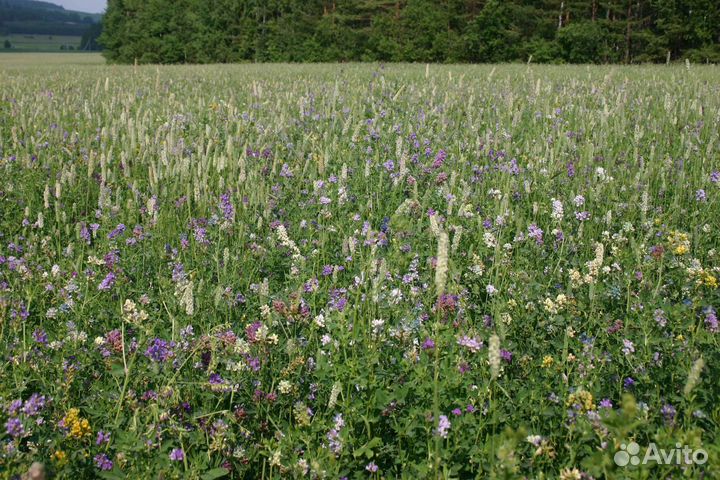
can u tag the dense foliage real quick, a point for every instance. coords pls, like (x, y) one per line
(351, 271)
(586, 31)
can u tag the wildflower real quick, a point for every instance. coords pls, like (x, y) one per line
(582, 400)
(582, 216)
(303, 414)
(700, 195)
(227, 207)
(428, 344)
(491, 290)
(668, 412)
(472, 344)
(443, 426)
(14, 427)
(107, 282)
(103, 462)
(709, 280)
(547, 361)
(177, 455)
(59, 457)
(334, 393)
(628, 347)
(34, 404)
(660, 317)
(557, 209)
(102, 437)
(442, 263)
(371, 467)
(570, 474)
(77, 426)
(506, 355)
(535, 233)
(184, 294)
(711, 321)
(694, 376)
(117, 231)
(494, 356)
(160, 350)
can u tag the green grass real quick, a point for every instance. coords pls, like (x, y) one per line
(39, 43)
(361, 251)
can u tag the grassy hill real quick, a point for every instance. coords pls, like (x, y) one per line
(30, 25)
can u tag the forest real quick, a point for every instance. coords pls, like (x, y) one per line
(449, 31)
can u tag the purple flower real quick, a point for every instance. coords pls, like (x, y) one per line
(227, 207)
(40, 336)
(606, 403)
(34, 404)
(629, 383)
(102, 437)
(536, 233)
(506, 355)
(428, 344)
(668, 412)
(570, 170)
(14, 427)
(700, 195)
(711, 320)
(457, 412)
(14, 406)
(159, 350)
(582, 216)
(201, 236)
(439, 159)
(660, 317)
(443, 426)
(117, 231)
(107, 282)
(371, 467)
(103, 462)
(472, 344)
(177, 455)
(715, 177)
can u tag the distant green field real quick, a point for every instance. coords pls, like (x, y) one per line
(46, 59)
(39, 43)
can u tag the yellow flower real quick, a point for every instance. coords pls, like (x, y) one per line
(59, 457)
(547, 361)
(77, 426)
(680, 242)
(709, 280)
(583, 398)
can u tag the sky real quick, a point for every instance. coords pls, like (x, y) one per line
(90, 6)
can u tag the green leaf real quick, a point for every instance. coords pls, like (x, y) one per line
(215, 473)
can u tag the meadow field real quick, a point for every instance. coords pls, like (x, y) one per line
(358, 270)
(38, 43)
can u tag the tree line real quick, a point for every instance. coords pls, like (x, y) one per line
(545, 31)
